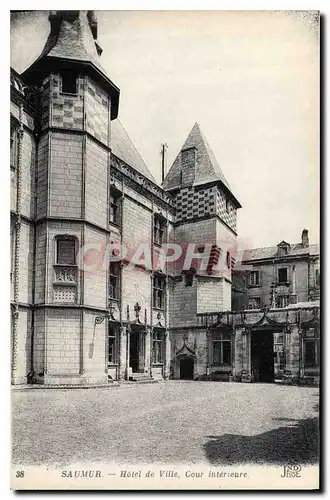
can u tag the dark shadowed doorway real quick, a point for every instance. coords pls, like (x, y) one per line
(262, 356)
(187, 369)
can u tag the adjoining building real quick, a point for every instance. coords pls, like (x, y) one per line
(82, 314)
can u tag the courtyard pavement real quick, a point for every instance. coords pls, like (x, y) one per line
(172, 422)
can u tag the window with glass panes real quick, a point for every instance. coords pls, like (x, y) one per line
(159, 230)
(221, 350)
(157, 346)
(114, 276)
(114, 206)
(159, 292)
(112, 344)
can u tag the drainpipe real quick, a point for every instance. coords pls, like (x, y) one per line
(15, 311)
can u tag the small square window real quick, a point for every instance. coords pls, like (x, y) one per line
(69, 82)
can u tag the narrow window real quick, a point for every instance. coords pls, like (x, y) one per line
(114, 206)
(157, 347)
(114, 276)
(159, 292)
(159, 230)
(112, 344)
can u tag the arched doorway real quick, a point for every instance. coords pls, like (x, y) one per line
(186, 369)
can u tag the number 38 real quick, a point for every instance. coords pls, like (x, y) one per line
(20, 473)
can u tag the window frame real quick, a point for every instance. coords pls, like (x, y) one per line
(114, 265)
(69, 76)
(157, 347)
(116, 196)
(221, 341)
(158, 292)
(257, 299)
(280, 298)
(159, 230)
(64, 238)
(114, 345)
(256, 282)
(282, 282)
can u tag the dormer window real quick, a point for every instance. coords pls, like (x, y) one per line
(69, 82)
(283, 248)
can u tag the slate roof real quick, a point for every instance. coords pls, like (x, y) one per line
(271, 252)
(207, 169)
(123, 148)
(73, 40)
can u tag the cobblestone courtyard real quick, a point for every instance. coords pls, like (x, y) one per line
(172, 422)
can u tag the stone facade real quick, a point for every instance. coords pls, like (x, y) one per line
(78, 186)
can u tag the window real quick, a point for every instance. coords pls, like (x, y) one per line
(310, 352)
(221, 350)
(69, 82)
(13, 145)
(317, 277)
(282, 301)
(159, 292)
(254, 303)
(283, 275)
(114, 276)
(157, 347)
(114, 206)
(112, 345)
(65, 251)
(228, 260)
(254, 278)
(159, 230)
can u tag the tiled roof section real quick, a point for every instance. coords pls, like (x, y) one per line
(271, 252)
(124, 149)
(71, 38)
(207, 169)
(17, 82)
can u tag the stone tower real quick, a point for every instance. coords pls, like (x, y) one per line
(77, 103)
(206, 212)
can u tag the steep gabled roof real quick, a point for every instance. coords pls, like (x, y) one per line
(207, 167)
(123, 148)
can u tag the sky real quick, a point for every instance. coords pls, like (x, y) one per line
(249, 78)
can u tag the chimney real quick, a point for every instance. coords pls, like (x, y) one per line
(304, 238)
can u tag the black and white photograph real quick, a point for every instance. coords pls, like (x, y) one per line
(164, 249)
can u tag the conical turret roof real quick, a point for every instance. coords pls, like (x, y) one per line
(207, 168)
(72, 41)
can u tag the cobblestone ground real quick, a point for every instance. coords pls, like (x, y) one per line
(174, 422)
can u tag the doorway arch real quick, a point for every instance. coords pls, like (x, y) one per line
(187, 368)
